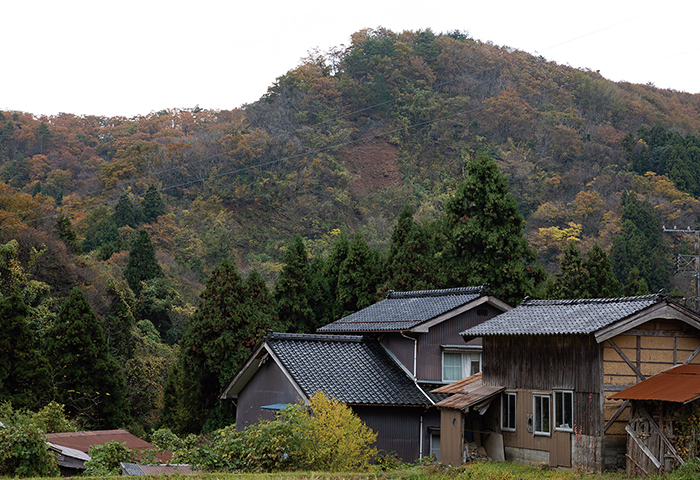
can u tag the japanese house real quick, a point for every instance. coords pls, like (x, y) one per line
(382, 361)
(550, 367)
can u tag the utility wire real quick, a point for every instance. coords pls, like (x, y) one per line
(311, 152)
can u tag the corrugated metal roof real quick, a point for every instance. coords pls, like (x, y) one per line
(466, 393)
(134, 469)
(404, 310)
(350, 368)
(459, 385)
(84, 440)
(679, 384)
(552, 317)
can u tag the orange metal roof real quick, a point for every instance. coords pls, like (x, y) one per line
(679, 384)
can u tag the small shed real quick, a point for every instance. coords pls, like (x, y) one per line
(658, 433)
(463, 437)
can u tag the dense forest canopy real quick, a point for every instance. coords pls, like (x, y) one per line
(349, 177)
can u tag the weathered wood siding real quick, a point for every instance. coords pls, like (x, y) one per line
(267, 387)
(544, 363)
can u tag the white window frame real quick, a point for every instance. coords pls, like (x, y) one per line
(468, 359)
(560, 395)
(505, 410)
(537, 414)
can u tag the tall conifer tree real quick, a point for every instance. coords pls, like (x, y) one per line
(231, 320)
(89, 381)
(292, 290)
(601, 281)
(142, 264)
(358, 277)
(485, 234)
(410, 263)
(640, 245)
(25, 378)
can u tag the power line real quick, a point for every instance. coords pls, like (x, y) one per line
(309, 152)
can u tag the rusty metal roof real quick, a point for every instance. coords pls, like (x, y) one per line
(458, 386)
(467, 392)
(679, 384)
(84, 440)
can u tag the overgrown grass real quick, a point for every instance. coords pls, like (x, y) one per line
(472, 471)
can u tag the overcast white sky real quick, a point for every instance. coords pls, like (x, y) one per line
(126, 57)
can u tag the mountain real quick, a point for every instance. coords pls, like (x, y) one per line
(343, 142)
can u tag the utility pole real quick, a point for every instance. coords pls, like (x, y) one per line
(689, 263)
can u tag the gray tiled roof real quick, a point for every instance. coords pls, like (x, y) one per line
(352, 369)
(551, 317)
(405, 310)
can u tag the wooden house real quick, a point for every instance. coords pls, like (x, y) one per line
(551, 365)
(382, 361)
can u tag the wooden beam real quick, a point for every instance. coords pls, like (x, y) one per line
(642, 447)
(661, 435)
(692, 355)
(627, 360)
(617, 413)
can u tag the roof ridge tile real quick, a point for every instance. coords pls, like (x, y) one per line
(440, 292)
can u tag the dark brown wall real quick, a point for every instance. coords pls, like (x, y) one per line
(268, 386)
(447, 333)
(429, 353)
(547, 362)
(398, 428)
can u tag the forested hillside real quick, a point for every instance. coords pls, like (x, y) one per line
(358, 166)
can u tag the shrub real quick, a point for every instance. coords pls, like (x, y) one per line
(105, 459)
(24, 453)
(334, 438)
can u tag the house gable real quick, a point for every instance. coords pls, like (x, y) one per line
(659, 311)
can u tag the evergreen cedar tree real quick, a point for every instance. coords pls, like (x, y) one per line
(292, 290)
(485, 235)
(336, 257)
(152, 204)
(142, 264)
(89, 382)
(410, 263)
(640, 246)
(25, 377)
(232, 319)
(358, 277)
(592, 278)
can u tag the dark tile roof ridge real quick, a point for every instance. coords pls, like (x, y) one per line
(582, 301)
(482, 289)
(315, 337)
